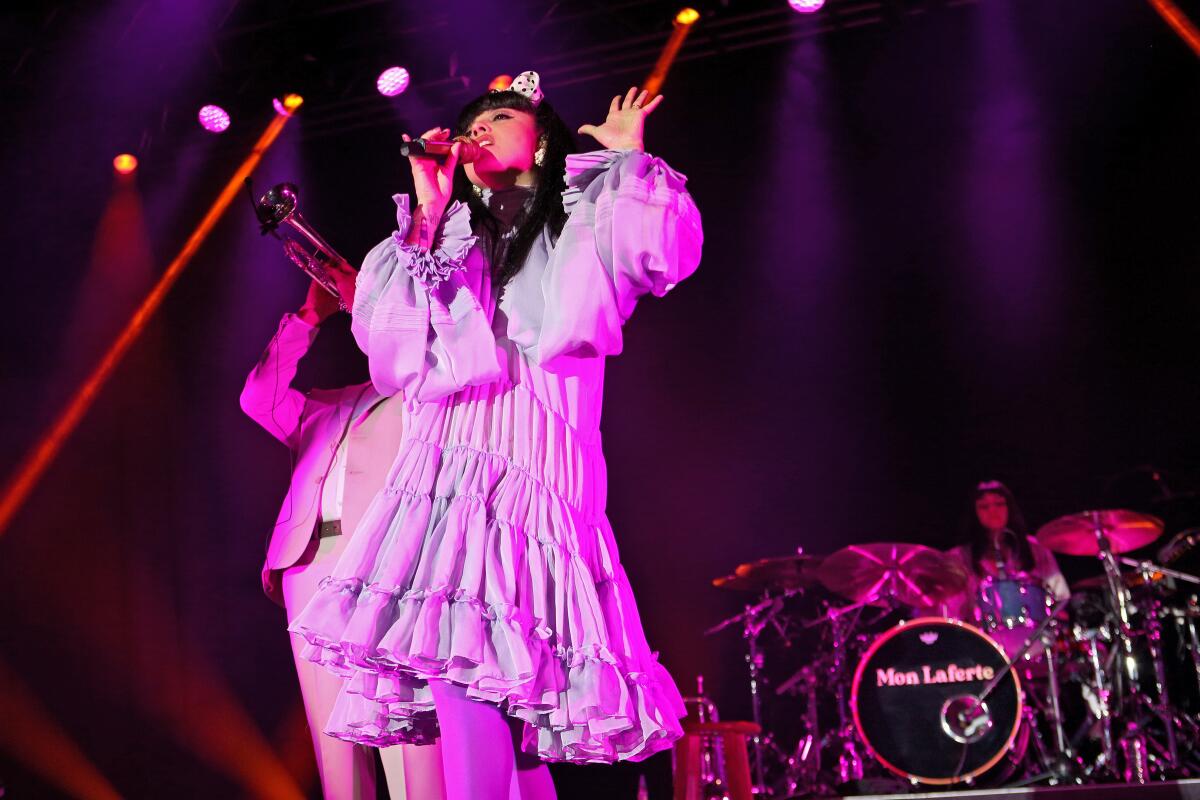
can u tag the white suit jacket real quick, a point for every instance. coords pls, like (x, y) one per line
(313, 426)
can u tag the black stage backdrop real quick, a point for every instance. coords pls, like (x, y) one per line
(960, 246)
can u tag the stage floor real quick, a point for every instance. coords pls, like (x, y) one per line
(1163, 790)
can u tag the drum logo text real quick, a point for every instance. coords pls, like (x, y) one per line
(952, 673)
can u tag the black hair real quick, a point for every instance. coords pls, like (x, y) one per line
(545, 210)
(980, 537)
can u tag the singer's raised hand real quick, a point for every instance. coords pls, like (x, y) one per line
(625, 125)
(433, 180)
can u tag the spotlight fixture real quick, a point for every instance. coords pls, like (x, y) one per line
(213, 119)
(124, 164)
(806, 6)
(687, 16)
(287, 106)
(500, 83)
(392, 81)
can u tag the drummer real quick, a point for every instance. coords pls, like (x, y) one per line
(1007, 569)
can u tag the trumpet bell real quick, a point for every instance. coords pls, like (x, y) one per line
(307, 250)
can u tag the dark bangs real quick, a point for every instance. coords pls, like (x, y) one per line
(488, 102)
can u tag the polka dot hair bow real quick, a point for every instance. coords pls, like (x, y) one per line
(528, 84)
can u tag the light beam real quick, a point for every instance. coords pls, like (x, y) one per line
(38, 460)
(1179, 23)
(684, 20)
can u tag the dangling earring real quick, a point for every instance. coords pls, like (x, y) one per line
(539, 155)
(477, 189)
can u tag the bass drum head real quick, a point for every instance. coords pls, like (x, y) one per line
(914, 707)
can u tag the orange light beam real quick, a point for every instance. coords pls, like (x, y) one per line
(38, 460)
(666, 58)
(1179, 22)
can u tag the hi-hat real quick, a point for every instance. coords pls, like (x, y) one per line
(782, 573)
(1076, 534)
(908, 574)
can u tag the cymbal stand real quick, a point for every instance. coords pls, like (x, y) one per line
(1133, 741)
(754, 619)
(1108, 752)
(1166, 709)
(1193, 611)
(803, 766)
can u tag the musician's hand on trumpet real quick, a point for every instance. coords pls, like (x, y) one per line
(319, 304)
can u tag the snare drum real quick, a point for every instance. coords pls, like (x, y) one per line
(915, 705)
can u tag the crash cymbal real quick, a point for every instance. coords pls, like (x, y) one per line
(1075, 534)
(778, 574)
(908, 574)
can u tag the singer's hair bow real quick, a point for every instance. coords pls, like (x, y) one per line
(528, 83)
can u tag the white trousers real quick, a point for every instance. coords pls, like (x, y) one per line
(348, 770)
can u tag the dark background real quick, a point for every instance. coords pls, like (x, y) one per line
(946, 242)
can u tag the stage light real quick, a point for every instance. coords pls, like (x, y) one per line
(687, 16)
(392, 81)
(213, 119)
(806, 6)
(288, 104)
(124, 163)
(500, 83)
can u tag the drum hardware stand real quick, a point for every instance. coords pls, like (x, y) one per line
(1133, 744)
(965, 716)
(804, 765)
(1058, 762)
(849, 760)
(1164, 709)
(754, 619)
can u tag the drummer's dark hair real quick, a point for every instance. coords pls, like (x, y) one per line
(980, 544)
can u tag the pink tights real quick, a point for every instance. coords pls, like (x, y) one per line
(481, 751)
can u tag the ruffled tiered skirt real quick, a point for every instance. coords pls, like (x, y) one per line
(488, 561)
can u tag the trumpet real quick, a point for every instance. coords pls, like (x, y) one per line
(280, 205)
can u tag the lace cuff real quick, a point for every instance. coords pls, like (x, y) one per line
(430, 267)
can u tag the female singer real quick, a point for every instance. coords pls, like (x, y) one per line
(484, 581)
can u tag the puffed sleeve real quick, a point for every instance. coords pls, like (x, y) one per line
(417, 312)
(633, 229)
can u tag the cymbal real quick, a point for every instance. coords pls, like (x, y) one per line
(1075, 534)
(781, 573)
(910, 574)
(1130, 579)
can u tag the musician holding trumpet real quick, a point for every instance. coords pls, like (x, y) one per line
(482, 588)
(342, 442)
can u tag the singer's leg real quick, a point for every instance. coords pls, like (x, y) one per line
(477, 753)
(532, 775)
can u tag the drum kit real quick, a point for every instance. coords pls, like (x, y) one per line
(921, 674)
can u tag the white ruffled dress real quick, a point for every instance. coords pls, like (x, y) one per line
(487, 560)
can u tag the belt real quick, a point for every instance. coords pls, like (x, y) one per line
(331, 528)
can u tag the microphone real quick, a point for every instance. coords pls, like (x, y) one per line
(439, 149)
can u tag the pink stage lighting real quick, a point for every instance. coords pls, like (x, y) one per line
(214, 119)
(806, 6)
(392, 81)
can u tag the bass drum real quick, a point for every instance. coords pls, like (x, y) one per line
(916, 707)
